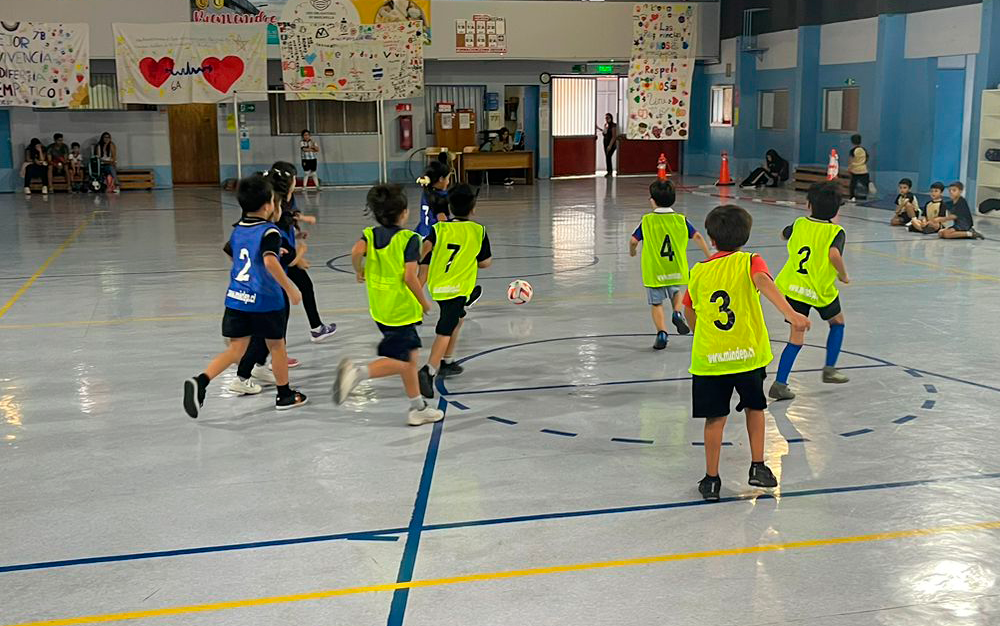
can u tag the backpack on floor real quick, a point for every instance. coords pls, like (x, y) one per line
(993, 154)
(989, 205)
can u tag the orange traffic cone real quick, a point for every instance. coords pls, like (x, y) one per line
(661, 168)
(833, 169)
(724, 179)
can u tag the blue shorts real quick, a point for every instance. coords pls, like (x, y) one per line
(656, 295)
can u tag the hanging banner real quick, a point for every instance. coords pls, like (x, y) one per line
(271, 12)
(44, 65)
(659, 98)
(183, 62)
(664, 29)
(341, 61)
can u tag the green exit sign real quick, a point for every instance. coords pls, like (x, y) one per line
(248, 107)
(605, 69)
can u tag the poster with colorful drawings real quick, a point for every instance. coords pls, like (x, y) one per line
(44, 65)
(659, 98)
(667, 29)
(343, 61)
(178, 63)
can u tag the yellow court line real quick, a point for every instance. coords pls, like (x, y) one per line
(930, 264)
(41, 270)
(538, 571)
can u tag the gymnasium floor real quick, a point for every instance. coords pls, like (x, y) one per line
(561, 488)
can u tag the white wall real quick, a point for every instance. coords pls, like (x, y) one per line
(99, 14)
(944, 32)
(849, 42)
(560, 30)
(727, 57)
(782, 50)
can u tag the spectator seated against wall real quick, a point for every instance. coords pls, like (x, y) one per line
(36, 165)
(107, 152)
(774, 172)
(58, 153)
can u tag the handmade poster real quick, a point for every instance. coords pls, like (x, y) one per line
(178, 63)
(355, 12)
(483, 34)
(343, 61)
(44, 65)
(659, 98)
(667, 29)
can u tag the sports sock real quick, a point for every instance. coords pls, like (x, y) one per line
(446, 360)
(318, 328)
(787, 361)
(202, 380)
(833, 342)
(362, 372)
(284, 391)
(431, 370)
(418, 404)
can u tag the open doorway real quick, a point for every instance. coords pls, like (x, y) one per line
(608, 102)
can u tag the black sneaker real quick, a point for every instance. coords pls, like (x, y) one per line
(291, 401)
(194, 397)
(426, 382)
(761, 476)
(450, 370)
(709, 488)
(976, 234)
(477, 293)
(680, 323)
(661, 341)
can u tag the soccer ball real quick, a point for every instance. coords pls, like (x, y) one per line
(519, 292)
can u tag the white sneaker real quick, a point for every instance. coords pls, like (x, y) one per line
(244, 387)
(263, 374)
(27, 191)
(347, 380)
(45, 190)
(426, 415)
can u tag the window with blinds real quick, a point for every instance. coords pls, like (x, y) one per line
(574, 106)
(463, 96)
(322, 117)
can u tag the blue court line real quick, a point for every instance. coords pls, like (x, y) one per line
(400, 596)
(914, 373)
(502, 420)
(332, 263)
(627, 440)
(488, 522)
(928, 404)
(459, 405)
(853, 433)
(702, 443)
(375, 538)
(904, 419)
(562, 433)
(797, 440)
(930, 388)
(957, 380)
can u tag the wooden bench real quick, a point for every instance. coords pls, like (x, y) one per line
(808, 175)
(136, 179)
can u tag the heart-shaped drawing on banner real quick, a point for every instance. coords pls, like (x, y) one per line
(222, 73)
(342, 82)
(155, 72)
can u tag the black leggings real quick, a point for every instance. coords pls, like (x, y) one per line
(256, 353)
(759, 176)
(301, 279)
(34, 170)
(609, 155)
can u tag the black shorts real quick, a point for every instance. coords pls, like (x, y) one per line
(452, 311)
(309, 165)
(269, 325)
(712, 395)
(826, 313)
(398, 341)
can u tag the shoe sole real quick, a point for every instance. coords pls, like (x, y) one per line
(682, 328)
(473, 300)
(780, 398)
(297, 363)
(836, 382)
(423, 421)
(663, 347)
(291, 406)
(323, 338)
(338, 392)
(420, 383)
(191, 398)
(761, 486)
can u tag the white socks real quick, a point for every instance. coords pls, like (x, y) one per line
(417, 404)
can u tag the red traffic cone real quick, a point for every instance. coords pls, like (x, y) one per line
(725, 180)
(661, 168)
(833, 169)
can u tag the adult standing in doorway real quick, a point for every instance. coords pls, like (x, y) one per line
(35, 166)
(610, 132)
(107, 152)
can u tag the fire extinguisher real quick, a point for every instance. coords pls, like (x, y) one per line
(405, 132)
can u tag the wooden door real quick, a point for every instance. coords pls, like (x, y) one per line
(574, 156)
(194, 144)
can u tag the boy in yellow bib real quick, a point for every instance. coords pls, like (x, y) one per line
(809, 281)
(453, 252)
(664, 235)
(385, 259)
(731, 346)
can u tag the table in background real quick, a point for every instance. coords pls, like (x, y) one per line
(482, 161)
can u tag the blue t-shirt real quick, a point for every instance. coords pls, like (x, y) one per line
(429, 210)
(691, 229)
(251, 286)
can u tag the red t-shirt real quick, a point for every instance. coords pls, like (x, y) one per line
(757, 266)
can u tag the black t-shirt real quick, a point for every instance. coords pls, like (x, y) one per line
(963, 216)
(484, 251)
(382, 235)
(609, 134)
(838, 241)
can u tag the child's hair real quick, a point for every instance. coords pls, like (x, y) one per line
(729, 227)
(907, 182)
(57, 136)
(281, 175)
(304, 131)
(939, 186)
(958, 184)
(436, 170)
(663, 194)
(462, 199)
(387, 202)
(856, 140)
(253, 192)
(74, 145)
(824, 200)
